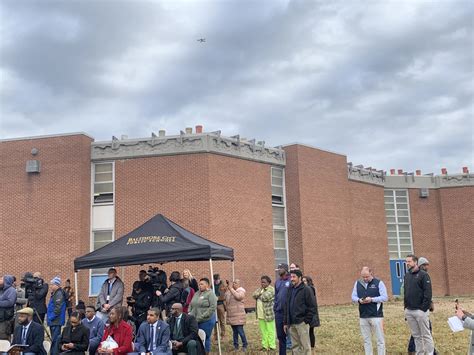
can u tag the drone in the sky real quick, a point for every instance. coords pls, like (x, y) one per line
(202, 40)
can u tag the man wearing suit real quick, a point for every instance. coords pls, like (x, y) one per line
(29, 333)
(184, 332)
(153, 335)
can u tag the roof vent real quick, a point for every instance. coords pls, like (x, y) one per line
(424, 192)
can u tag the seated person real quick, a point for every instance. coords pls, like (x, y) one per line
(120, 331)
(75, 336)
(29, 333)
(184, 332)
(153, 335)
(96, 328)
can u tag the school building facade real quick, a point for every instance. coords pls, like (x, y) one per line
(62, 196)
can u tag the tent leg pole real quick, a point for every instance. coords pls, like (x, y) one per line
(75, 286)
(217, 318)
(233, 270)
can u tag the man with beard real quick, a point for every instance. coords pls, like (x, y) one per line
(299, 313)
(29, 333)
(184, 332)
(417, 301)
(281, 289)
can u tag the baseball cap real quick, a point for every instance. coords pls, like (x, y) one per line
(282, 266)
(423, 261)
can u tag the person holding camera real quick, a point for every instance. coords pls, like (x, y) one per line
(370, 293)
(140, 301)
(7, 306)
(173, 294)
(110, 295)
(36, 292)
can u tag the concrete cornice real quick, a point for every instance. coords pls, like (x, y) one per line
(187, 144)
(429, 182)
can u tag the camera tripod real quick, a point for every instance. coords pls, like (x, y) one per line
(42, 324)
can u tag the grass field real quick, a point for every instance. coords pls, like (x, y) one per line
(339, 332)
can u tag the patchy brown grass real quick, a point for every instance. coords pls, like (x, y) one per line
(339, 332)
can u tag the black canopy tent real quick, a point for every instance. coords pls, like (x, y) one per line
(159, 240)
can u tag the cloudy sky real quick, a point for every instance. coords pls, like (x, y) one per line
(388, 83)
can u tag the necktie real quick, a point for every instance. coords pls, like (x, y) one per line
(152, 338)
(23, 336)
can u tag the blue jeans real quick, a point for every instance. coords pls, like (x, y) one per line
(280, 333)
(239, 330)
(55, 334)
(207, 326)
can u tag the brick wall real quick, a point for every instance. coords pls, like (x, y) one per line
(369, 231)
(428, 240)
(224, 199)
(457, 211)
(324, 200)
(44, 217)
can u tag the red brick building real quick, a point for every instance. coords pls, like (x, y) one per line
(63, 196)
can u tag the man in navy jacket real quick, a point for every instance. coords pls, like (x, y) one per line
(29, 333)
(153, 335)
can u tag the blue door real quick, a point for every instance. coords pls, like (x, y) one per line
(398, 269)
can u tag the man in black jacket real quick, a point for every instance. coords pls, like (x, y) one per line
(37, 298)
(173, 294)
(417, 301)
(184, 332)
(299, 313)
(29, 333)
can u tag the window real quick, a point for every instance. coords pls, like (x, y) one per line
(100, 238)
(280, 238)
(103, 183)
(397, 215)
(277, 186)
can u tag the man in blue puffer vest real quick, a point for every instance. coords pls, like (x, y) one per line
(56, 313)
(370, 293)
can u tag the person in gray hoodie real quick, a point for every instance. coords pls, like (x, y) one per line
(7, 306)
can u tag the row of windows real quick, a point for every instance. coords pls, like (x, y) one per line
(280, 245)
(103, 185)
(397, 215)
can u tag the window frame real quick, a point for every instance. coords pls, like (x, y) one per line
(283, 228)
(93, 183)
(395, 193)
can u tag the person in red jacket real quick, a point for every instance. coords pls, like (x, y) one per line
(120, 331)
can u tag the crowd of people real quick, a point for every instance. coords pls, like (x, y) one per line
(186, 314)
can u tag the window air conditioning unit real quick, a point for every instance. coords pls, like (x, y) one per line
(424, 192)
(33, 166)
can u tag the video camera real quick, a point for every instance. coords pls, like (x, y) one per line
(157, 278)
(31, 284)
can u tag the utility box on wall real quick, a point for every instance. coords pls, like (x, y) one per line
(424, 192)
(33, 166)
